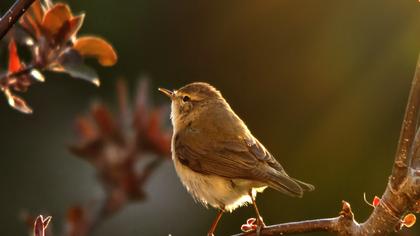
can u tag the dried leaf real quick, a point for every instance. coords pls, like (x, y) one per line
(14, 61)
(55, 18)
(98, 48)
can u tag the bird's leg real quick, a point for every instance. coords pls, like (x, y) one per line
(260, 221)
(215, 222)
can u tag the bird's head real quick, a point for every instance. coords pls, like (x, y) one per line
(190, 100)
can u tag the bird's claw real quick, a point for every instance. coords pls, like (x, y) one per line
(260, 222)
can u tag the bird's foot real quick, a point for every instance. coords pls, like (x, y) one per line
(260, 225)
(260, 222)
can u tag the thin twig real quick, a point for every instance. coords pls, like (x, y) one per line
(24, 70)
(318, 225)
(13, 15)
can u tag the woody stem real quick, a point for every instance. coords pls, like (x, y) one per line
(13, 15)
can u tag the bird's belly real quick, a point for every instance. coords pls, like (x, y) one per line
(217, 191)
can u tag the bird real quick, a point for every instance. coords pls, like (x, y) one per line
(217, 158)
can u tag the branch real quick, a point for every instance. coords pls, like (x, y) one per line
(408, 131)
(343, 223)
(401, 195)
(13, 15)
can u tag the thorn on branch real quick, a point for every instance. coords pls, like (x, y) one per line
(346, 211)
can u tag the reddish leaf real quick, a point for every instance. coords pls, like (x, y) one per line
(74, 25)
(68, 30)
(30, 24)
(98, 48)
(160, 140)
(32, 20)
(14, 61)
(104, 120)
(37, 11)
(251, 221)
(248, 227)
(85, 128)
(75, 214)
(55, 18)
(41, 225)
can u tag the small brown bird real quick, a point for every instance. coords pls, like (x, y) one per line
(217, 158)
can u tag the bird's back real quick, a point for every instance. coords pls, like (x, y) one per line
(231, 150)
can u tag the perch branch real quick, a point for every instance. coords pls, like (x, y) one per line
(401, 195)
(13, 15)
(343, 223)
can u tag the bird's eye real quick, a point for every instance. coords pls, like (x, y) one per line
(186, 98)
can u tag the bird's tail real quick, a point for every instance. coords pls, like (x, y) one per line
(305, 186)
(288, 185)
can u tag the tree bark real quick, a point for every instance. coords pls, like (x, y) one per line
(13, 15)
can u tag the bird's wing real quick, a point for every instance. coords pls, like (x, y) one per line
(239, 157)
(262, 154)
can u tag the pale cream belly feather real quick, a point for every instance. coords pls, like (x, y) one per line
(217, 191)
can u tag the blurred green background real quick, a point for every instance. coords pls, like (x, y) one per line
(323, 84)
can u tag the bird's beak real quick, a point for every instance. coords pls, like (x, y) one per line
(167, 92)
